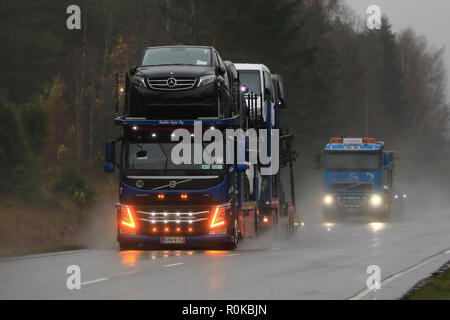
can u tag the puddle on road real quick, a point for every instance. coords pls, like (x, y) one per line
(130, 258)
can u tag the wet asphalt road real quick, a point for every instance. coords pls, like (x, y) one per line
(323, 261)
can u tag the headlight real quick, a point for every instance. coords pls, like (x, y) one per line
(376, 200)
(328, 200)
(206, 80)
(138, 81)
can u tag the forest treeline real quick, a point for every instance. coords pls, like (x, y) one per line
(57, 85)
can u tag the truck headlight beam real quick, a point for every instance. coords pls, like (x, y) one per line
(376, 200)
(328, 200)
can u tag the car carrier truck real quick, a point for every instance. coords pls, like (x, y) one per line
(170, 204)
(358, 179)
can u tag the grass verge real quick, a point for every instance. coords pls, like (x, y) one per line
(436, 287)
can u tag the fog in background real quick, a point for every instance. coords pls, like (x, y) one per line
(428, 18)
(422, 163)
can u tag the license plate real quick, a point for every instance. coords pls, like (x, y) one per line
(172, 240)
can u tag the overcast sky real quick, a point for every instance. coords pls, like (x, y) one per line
(429, 18)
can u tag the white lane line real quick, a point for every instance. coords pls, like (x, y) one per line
(361, 294)
(233, 255)
(94, 281)
(47, 255)
(174, 264)
(274, 249)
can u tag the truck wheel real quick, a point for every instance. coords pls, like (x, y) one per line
(398, 212)
(382, 217)
(290, 227)
(329, 216)
(235, 239)
(126, 246)
(387, 217)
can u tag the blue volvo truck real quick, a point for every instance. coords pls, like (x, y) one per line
(168, 204)
(358, 180)
(164, 203)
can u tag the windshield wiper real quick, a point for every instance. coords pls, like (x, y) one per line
(165, 155)
(169, 64)
(353, 185)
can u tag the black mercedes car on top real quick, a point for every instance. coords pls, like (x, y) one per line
(179, 82)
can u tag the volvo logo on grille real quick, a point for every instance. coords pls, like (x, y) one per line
(172, 184)
(140, 184)
(171, 82)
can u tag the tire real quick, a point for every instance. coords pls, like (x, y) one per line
(126, 246)
(235, 240)
(383, 217)
(330, 216)
(398, 211)
(290, 227)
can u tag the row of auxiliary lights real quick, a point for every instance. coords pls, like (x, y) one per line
(167, 229)
(353, 140)
(182, 196)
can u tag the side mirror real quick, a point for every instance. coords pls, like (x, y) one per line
(241, 167)
(110, 154)
(267, 94)
(318, 160)
(387, 160)
(109, 167)
(133, 70)
(221, 70)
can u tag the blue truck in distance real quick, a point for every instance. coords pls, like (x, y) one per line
(358, 180)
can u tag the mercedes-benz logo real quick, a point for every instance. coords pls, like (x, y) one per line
(171, 82)
(172, 184)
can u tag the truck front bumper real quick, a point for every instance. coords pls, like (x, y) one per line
(355, 204)
(354, 210)
(188, 240)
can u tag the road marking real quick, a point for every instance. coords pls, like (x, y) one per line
(274, 249)
(364, 292)
(94, 281)
(174, 264)
(47, 255)
(232, 255)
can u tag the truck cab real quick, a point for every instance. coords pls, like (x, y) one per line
(258, 80)
(358, 179)
(167, 203)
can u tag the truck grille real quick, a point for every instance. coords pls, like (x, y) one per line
(153, 222)
(351, 186)
(161, 216)
(351, 202)
(171, 84)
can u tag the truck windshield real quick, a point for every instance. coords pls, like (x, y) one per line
(157, 156)
(177, 55)
(353, 161)
(252, 80)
